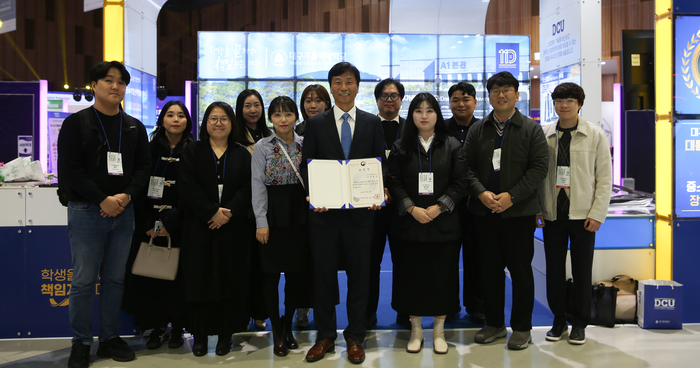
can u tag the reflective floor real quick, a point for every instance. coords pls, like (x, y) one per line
(624, 346)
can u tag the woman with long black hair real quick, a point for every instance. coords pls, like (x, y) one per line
(153, 302)
(427, 176)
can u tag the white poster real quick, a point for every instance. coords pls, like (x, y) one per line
(560, 37)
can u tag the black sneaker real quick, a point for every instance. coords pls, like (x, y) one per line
(557, 332)
(116, 349)
(154, 341)
(79, 356)
(176, 339)
(577, 336)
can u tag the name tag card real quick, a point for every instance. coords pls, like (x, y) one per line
(496, 159)
(563, 176)
(155, 187)
(114, 164)
(425, 183)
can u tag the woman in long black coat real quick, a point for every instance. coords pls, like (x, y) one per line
(214, 186)
(153, 302)
(427, 176)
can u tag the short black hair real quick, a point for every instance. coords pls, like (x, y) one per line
(234, 136)
(465, 87)
(383, 84)
(100, 71)
(569, 90)
(341, 68)
(502, 79)
(282, 103)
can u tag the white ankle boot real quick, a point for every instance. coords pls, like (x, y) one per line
(416, 342)
(439, 343)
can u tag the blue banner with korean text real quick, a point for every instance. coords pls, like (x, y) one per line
(687, 190)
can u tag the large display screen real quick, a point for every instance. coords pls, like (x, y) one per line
(278, 63)
(140, 98)
(687, 180)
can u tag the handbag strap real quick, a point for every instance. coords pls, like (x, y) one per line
(284, 150)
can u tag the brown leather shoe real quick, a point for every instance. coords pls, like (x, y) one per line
(356, 354)
(320, 348)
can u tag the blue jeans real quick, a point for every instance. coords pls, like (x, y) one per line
(99, 247)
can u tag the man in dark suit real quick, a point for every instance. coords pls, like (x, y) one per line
(343, 132)
(462, 104)
(389, 94)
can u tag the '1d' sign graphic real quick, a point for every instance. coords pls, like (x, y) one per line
(507, 57)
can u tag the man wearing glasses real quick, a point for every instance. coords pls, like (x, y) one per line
(507, 156)
(389, 94)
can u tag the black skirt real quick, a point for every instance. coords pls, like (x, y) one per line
(426, 277)
(287, 249)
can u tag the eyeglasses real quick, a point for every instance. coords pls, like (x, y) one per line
(223, 120)
(391, 97)
(567, 102)
(505, 92)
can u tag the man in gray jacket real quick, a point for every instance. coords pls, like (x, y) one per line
(507, 157)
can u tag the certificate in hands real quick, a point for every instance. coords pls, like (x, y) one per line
(338, 184)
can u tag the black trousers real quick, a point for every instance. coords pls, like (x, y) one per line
(295, 290)
(354, 242)
(472, 283)
(556, 243)
(507, 242)
(379, 239)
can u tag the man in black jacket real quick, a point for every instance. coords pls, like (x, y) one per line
(462, 104)
(389, 94)
(103, 160)
(507, 156)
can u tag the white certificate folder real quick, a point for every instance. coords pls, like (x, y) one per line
(342, 184)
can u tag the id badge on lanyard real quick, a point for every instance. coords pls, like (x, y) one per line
(563, 176)
(156, 185)
(114, 163)
(496, 160)
(425, 183)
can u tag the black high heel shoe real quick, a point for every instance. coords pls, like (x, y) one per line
(200, 346)
(223, 346)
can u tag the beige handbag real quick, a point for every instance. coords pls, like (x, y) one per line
(156, 262)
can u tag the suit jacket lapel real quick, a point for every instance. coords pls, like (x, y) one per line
(332, 133)
(360, 126)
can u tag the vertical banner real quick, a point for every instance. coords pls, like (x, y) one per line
(55, 123)
(24, 146)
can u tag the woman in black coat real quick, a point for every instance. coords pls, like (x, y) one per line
(214, 185)
(427, 176)
(153, 302)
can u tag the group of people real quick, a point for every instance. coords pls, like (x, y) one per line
(236, 203)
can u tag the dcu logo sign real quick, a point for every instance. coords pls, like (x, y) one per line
(507, 57)
(665, 303)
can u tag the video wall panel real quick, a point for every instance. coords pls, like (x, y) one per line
(285, 63)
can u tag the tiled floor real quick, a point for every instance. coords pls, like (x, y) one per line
(624, 346)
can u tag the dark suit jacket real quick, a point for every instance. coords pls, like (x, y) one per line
(321, 141)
